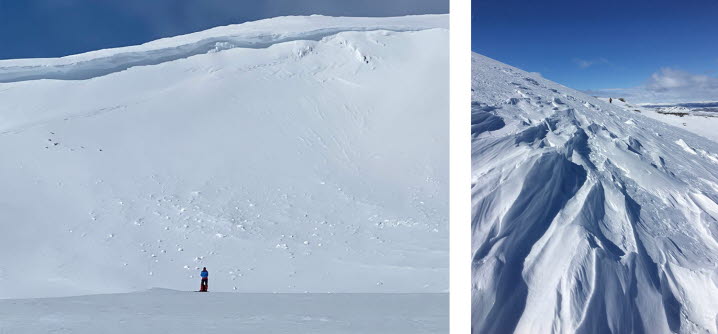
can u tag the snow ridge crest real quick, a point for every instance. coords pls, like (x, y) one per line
(255, 35)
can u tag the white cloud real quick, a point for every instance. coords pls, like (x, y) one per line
(668, 85)
(668, 79)
(584, 63)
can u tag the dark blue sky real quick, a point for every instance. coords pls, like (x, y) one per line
(599, 44)
(53, 28)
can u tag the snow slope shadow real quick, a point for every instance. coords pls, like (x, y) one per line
(551, 182)
(482, 120)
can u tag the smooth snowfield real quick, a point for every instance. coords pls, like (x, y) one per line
(315, 165)
(587, 218)
(165, 311)
(702, 123)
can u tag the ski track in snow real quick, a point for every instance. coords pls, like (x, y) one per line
(587, 218)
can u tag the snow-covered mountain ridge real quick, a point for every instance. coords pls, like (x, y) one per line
(256, 35)
(317, 164)
(587, 218)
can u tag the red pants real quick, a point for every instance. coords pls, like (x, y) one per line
(204, 284)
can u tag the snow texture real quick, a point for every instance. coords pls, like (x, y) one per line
(699, 118)
(167, 311)
(587, 218)
(286, 155)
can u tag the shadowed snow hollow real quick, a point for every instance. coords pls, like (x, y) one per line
(291, 154)
(587, 218)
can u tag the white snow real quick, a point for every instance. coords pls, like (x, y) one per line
(701, 123)
(166, 311)
(251, 35)
(685, 146)
(698, 124)
(294, 129)
(587, 217)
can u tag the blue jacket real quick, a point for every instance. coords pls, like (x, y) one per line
(204, 274)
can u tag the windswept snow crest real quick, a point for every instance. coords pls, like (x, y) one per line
(256, 35)
(317, 162)
(587, 218)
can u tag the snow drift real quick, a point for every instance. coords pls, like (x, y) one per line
(587, 218)
(292, 154)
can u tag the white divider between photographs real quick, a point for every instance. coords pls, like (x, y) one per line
(460, 152)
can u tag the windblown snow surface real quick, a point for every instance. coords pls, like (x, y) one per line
(286, 155)
(587, 218)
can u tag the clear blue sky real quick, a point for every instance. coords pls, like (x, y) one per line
(601, 44)
(53, 28)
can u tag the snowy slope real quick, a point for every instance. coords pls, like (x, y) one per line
(166, 311)
(292, 154)
(587, 218)
(701, 123)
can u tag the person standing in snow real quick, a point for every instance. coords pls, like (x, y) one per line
(205, 280)
(610, 100)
